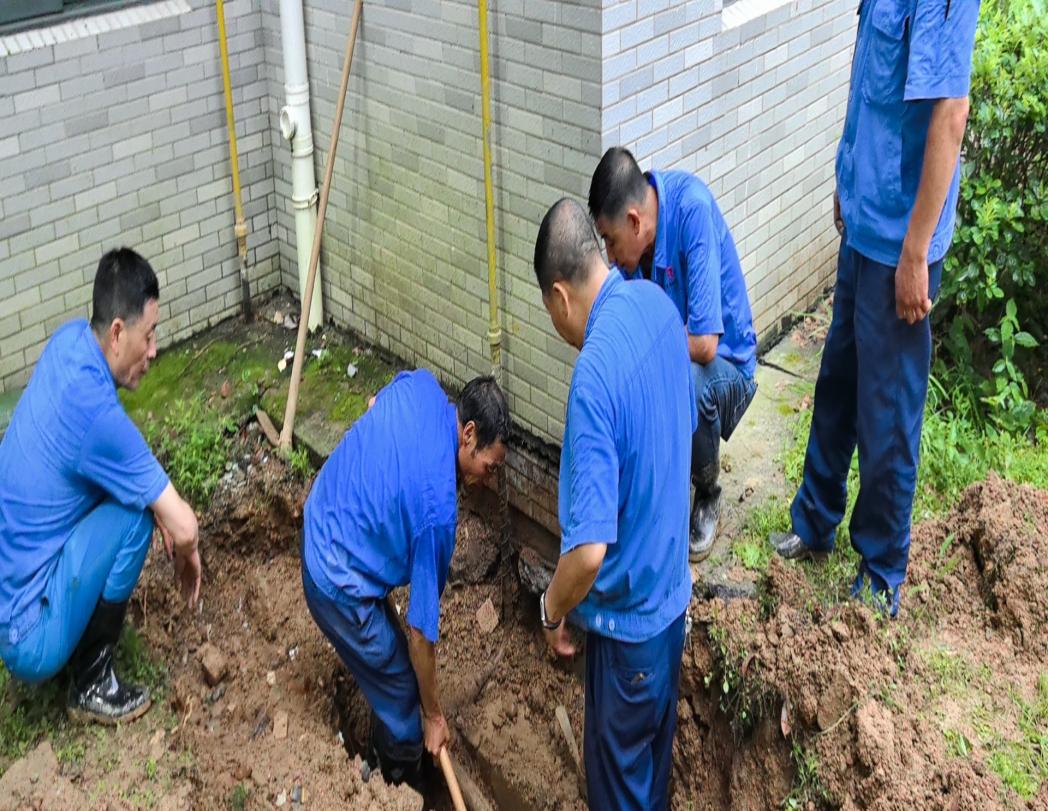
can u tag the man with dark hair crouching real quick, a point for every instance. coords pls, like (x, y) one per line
(382, 513)
(79, 494)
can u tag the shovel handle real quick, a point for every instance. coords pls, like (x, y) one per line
(452, 781)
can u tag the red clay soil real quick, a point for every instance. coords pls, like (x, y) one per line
(873, 700)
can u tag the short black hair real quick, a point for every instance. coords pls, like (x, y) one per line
(566, 245)
(617, 183)
(124, 282)
(483, 403)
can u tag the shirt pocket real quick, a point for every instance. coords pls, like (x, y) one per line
(887, 51)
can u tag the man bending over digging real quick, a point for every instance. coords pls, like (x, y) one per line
(79, 494)
(382, 514)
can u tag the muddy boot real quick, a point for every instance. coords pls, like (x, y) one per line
(705, 513)
(396, 767)
(789, 545)
(95, 692)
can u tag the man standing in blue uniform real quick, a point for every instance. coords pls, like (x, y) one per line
(623, 571)
(79, 492)
(895, 202)
(666, 226)
(381, 514)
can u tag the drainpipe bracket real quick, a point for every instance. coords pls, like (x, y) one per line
(307, 202)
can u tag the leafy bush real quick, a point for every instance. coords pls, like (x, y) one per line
(993, 312)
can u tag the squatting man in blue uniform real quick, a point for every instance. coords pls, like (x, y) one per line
(666, 227)
(895, 203)
(382, 513)
(80, 493)
(623, 571)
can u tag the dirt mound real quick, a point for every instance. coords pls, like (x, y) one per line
(1006, 528)
(832, 706)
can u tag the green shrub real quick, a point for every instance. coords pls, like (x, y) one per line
(192, 443)
(993, 309)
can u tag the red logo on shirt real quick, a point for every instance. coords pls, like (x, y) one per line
(669, 274)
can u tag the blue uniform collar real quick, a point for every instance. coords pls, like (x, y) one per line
(610, 283)
(660, 258)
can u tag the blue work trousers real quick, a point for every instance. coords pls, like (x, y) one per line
(722, 395)
(371, 644)
(102, 558)
(631, 717)
(871, 391)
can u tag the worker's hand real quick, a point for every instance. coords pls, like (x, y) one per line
(838, 221)
(164, 534)
(911, 287)
(187, 573)
(435, 733)
(559, 641)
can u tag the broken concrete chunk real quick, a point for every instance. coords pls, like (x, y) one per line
(280, 725)
(487, 617)
(534, 570)
(213, 661)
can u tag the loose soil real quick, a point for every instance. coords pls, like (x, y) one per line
(872, 705)
(259, 713)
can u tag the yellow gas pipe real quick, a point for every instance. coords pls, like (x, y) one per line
(240, 227)
(494, 327)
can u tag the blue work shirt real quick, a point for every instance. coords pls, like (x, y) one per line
(908, 55)
(383, 509)
(696, 263)
(70, 446)
(625, 461)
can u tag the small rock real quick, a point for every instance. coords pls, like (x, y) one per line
(214, 664)
(487, 617)
(297, 794)
(156, 744)
(242, 771)
(278, 317)
(281, 365)
(271, 678)
(840, 630)
(280, 725)
(351, 370)
(282, 799)
(226, 390)
(290, 322)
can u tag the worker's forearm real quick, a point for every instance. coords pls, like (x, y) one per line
(424, 660)
(702, 349)
(945, 134)
(574, 577)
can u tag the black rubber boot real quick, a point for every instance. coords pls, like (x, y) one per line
(401, 766)
(95, 692)
(705, 512)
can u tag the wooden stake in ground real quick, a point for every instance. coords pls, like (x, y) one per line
(307, 297)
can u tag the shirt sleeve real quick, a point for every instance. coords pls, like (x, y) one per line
(942, 39)
(429, 573)
(116, 458)
(594, 475)
(702, 249)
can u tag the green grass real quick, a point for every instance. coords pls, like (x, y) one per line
(807, 785)
(238, 798)
(1022, 764)
(30, 713)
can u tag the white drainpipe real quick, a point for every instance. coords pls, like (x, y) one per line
(295, 127)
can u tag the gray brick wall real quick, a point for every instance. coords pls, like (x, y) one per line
(404, 250)
(754, 110)
(119, 138)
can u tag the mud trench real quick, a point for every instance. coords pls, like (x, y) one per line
(267, 709)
